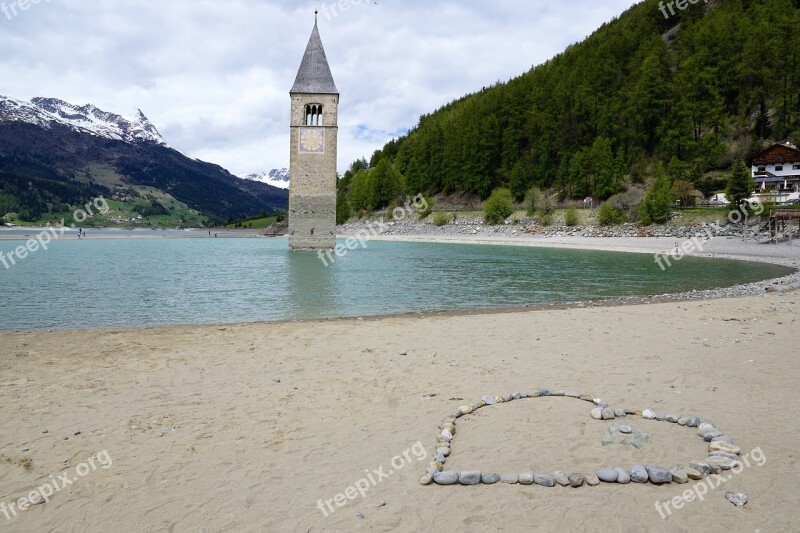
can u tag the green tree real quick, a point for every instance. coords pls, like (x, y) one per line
(658, 201)
(499, 206)
(343, 209)
(741, 185)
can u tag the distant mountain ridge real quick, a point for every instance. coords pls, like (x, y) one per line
(55, 154)
(275, 177)
(43, 112)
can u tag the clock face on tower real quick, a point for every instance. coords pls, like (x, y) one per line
(312, 140)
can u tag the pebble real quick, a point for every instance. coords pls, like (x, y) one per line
(575, 480)
(508, 398)
(630, 411)
(544, 392)
(431, 470)
(601, 404)
(721, 446)
(723, 438)
(648, 414)
(703, 468)
(608, 413)
(559, 393)
(465, 409)
(446, 435)
(359, 515)
(45, 431)
(25, 450)
(723, 454)
(544, 480)
(469, 478)
(658, 475)
(609, 475)
(575, 395)
(445, 478)
(517, 395)
(691, 473)
(679, 476)
(561, 478)
(620, 413)
(427, 479)
(489, 400)
(490, 478)
(591, 480)
(683, 421)
(526, 478)
(693, 422)
(443, 451)
(586, 398)
(661, 417)
(625, 429)
(736, 498)
(511, 478)
(440, 458)
(623, 476)
(711, 435)
(639, 474)
(673, 418)
(597, 413)
(704, 426)
(722, 462)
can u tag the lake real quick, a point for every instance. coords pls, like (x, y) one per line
(155, 282)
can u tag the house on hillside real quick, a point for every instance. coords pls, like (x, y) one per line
(777, 173)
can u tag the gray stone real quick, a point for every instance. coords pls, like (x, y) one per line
(526, 478)
(609, 475)
(693, 422)
(432, 470)
(704, 426)
(601, 404)
(440, 458)
(639, 474)
(658, 475)
(575, 480)
(523, 394)
(508, 398)
(661, 417)
(608, 413)
(708, 437)
(683, 421)
(673, 418)
(679, 476)
(510, 478)
(614, 435)
(561, 478)
(724, 447)
(703, 468)
(427, 479)
(619, 413)
(722, 462)
(444, 451)
(648, 414)
(469, 478)
(571, 394)
(557, 393)
(736, 498)
(723, 438)
(544, 480)
(623, 476)
(489, 478)
(591, 480)
(489, 400)
(25, 450)
(702, 432)
(445, 478)
(723, 454)
(597, 413)
(626, 429)
(45, 431)
(517, 395)
(544, 392)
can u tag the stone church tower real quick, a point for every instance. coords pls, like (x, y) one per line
(314, 132)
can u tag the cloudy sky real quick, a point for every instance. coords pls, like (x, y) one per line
(214, 75)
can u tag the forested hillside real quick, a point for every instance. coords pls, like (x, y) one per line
(700, 90)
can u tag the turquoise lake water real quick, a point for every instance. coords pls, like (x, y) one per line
(134, 283)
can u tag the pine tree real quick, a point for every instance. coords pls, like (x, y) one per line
(741, 185)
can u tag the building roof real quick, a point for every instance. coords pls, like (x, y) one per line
(314, 76)
(779, 153)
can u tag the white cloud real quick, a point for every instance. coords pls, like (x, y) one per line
(214, 76)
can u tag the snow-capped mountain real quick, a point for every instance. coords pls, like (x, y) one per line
(276, 178)
(43, 112)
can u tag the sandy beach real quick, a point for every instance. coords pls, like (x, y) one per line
(256, 427)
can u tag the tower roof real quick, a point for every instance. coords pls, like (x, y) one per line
(314, 76)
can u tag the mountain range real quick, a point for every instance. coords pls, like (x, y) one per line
(275, 177)
(54, 154)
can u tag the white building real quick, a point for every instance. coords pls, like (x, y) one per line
(776, 171)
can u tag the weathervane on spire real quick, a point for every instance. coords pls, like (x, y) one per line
(316, 10)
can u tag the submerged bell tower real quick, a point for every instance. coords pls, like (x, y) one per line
(313, 146)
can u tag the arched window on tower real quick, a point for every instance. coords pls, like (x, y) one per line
(313, 115)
